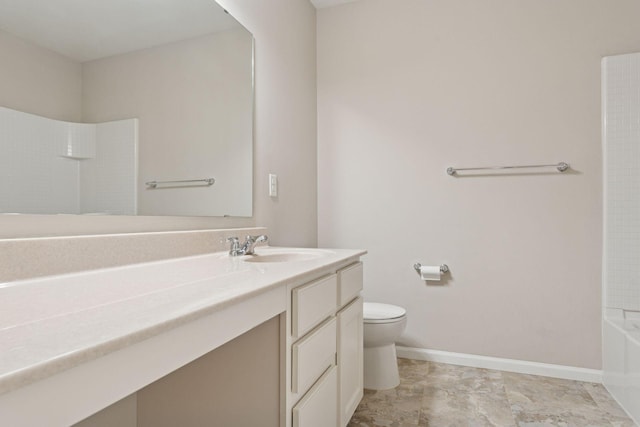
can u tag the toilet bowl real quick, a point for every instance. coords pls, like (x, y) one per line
(383, 325)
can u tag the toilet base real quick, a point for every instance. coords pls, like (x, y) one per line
(381, 367)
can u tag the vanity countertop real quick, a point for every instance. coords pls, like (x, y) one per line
(51, 324)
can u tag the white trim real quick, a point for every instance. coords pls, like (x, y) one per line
(320, 4)
(497, 363)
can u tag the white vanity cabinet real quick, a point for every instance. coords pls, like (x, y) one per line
(324, 342)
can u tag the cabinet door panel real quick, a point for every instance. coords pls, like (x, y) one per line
(350, 360)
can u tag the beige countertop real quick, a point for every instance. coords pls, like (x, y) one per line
(52, 324)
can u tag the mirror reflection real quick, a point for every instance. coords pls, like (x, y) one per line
(123, 107)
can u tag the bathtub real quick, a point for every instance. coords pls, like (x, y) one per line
(621, 358)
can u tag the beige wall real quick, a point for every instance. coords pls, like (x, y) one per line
(285, 138)
(38, 81)
(406, 89)
(285, 41)
(237, 384)
(123, 413)
(229, 385)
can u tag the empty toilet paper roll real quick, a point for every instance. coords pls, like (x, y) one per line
(430, 272)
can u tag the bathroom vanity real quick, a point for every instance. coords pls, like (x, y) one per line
(74, 344)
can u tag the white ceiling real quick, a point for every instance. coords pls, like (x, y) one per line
(89, 29)
(319, 4)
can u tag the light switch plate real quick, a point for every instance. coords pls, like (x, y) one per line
(273, 185)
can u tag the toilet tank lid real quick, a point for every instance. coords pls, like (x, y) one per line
(378, 311)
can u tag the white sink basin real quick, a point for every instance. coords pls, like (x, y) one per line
(270, 254)
(283, 257)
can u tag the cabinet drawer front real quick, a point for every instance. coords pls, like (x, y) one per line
(312, 355)
(318, 408)
(312, 303)
(349, 283)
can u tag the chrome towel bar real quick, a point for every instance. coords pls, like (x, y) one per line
(206, 181)
(562, 166)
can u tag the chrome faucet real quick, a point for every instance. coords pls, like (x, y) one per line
(247, 247)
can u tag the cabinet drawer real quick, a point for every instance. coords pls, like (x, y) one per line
(312, 355)
(312, 303)
(318, 408)
(349, 283)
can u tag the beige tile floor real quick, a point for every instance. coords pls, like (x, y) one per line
(439, 395)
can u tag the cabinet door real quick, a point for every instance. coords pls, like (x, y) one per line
(318, 407)
(350, 360)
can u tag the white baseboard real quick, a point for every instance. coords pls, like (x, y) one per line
(496, 363)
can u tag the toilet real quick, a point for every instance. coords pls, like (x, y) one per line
(383, 325)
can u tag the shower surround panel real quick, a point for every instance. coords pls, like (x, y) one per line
(621, 96)
(621, 289)
(50, 166)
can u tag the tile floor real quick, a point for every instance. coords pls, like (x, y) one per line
(439, 395)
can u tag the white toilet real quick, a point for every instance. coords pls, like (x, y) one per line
(383, 325)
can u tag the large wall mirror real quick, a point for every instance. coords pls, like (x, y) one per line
(121, 107)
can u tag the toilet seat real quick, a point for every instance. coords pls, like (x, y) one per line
(374, 312)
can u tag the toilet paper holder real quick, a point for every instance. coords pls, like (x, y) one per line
(444, 268)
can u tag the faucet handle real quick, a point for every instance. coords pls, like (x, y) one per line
(250, 243)
(256, 239)
(235, 245)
